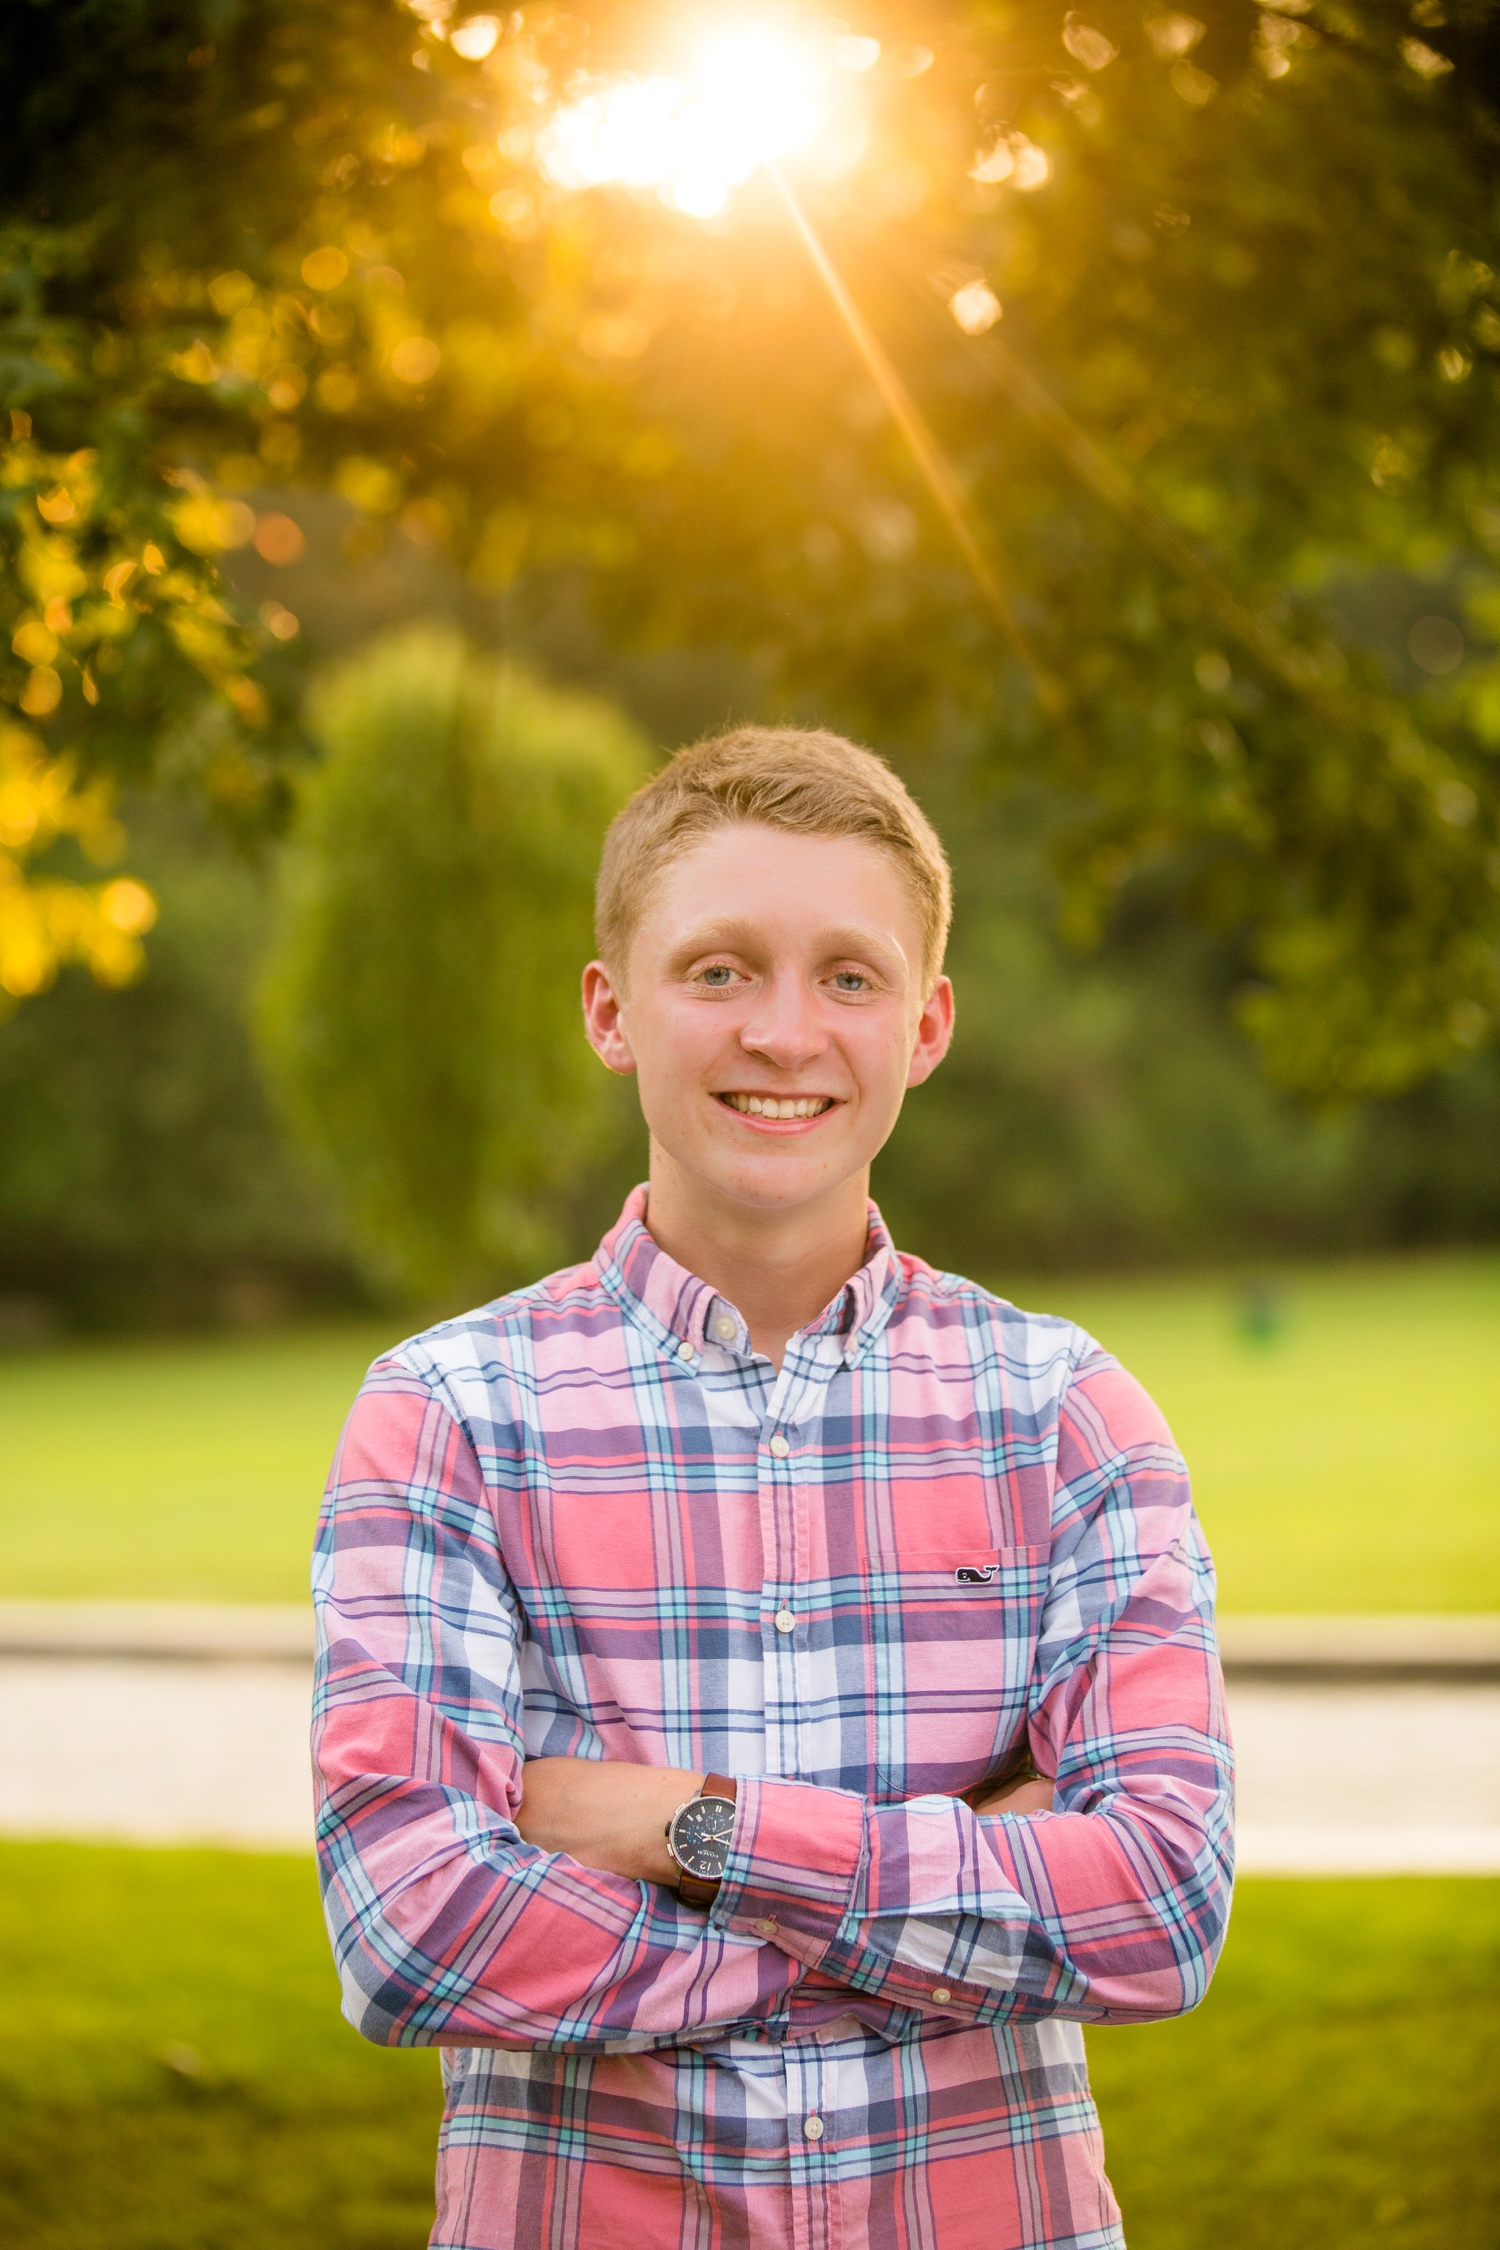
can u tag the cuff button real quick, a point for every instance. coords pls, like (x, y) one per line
(940, 1993)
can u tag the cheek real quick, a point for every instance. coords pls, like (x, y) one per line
(676, 1048)
(881, 1058)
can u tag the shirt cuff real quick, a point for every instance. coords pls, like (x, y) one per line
(794, 1865)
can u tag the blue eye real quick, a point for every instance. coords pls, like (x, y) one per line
(718, 976)
(850, 980)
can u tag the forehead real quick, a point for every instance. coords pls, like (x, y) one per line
(789, 889)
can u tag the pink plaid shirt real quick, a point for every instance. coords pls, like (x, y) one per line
(589, 1519)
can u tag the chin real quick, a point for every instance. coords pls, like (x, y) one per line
(778, 1186)
(756, 1178)
(776, 1194)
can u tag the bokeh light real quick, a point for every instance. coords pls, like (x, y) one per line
(476, 38)
(1436, 644)
(975, 307)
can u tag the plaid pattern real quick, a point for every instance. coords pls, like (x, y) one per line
(588, 1520)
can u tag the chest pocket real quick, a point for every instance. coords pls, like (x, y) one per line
(954, 1630)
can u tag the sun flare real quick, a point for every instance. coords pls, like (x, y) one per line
(751, 96)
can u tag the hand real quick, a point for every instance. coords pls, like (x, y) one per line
(609, 1815)
(1029, 1793)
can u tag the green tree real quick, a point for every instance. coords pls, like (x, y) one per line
(1240, 268)
(1103, 1109)
(1247, 264)
(145, 1179)
(421, 1008)
(240, 246)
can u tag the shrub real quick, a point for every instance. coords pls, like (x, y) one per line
(420, 1010)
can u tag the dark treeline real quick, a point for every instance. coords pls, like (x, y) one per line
(1099, 1109)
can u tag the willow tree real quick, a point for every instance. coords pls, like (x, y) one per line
(421, 1011)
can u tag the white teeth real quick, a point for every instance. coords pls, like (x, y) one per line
(766, 1105)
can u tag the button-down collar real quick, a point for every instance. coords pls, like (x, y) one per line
(675, 1308)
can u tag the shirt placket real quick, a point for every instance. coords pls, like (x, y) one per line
(784, 1439)
(776, 1478)
(812, 2150)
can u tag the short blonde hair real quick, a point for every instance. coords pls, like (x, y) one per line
(801, 779)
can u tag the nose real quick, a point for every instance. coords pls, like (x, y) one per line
(784, 1027)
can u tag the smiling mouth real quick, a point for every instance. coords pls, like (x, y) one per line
(768, 1105)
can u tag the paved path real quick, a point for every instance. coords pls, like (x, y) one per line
(1369, 1780)
(156, 1751)
(1386, 1778)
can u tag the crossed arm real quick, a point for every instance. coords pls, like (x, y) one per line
(476, 1897)
(613, 1816)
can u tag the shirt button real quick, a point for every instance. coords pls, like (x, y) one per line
(812, 2128)
(765, 1929)
(785, 1621)
(725, 1329)
(940, 1993)
(780, 1447)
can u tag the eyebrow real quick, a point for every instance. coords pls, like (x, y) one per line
(738, 936)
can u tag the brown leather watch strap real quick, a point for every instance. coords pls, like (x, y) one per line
(693, 1888)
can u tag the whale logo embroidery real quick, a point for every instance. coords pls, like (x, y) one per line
(971, 1576)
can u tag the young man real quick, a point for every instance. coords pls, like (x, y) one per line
(693, 1622)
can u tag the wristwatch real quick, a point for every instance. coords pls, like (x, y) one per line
(698, 1840)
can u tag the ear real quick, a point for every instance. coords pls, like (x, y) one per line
(602, 1020)
(934, 1030)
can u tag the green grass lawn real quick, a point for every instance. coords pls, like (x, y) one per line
(181, 2080)
(192, 1469)
(1336, 2090)
(1351, 1462)
(172, 1470)
(174, 2072)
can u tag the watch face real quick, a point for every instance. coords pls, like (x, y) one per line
(701, 1833)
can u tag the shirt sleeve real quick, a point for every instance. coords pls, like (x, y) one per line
(1112, 1908)
(446, 1927)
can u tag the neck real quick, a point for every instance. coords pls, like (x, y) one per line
(777, 1268)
